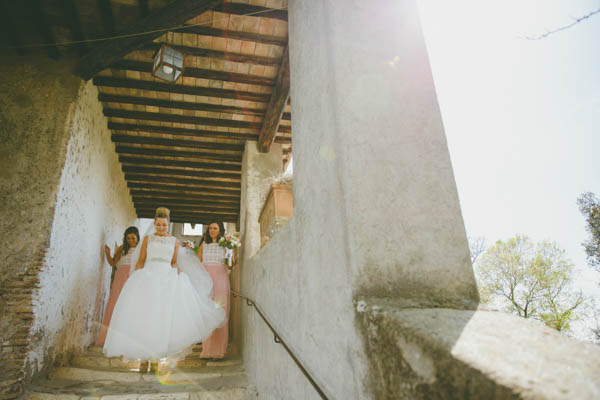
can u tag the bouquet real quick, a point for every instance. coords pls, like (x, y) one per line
(229, 242)
(190, 245)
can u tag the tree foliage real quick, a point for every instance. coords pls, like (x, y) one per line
(477, 246)
(589, 205)
(529, 279)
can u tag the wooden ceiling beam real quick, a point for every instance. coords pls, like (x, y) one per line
(10, 29)
(255, 11)
(73, 21)
(284, 129)
(194, 218)
(177, 153)
(181, 172)
(189, 202)
(108, 20)
(191, 72)
(216, 54)
(156, 23)
(225, 193)
(195, 155)
(119, 138)
(279, 98)
(183, 209)
(183, 213)
(143, 7)
(180, 105)
(181, 119)
(187, 196)
(229, 34)
(170, 88)
(44, 29)
(179, 163)
(185, 204)
(152, 179)
(119, 126)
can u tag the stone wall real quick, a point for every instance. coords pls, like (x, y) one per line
(65, 196)
(370, 283)
(376, 211)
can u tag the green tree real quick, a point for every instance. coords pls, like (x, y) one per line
(529, 279)
(589, 205)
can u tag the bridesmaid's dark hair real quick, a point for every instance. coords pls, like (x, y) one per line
(207, 239)
(131, 229)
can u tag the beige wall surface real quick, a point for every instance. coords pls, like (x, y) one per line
(93, 207)
(376, 212)
(64, 196)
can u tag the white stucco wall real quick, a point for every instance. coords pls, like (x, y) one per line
(376, 211)
(93, 207)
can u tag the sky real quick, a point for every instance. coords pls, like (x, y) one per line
(521, 116)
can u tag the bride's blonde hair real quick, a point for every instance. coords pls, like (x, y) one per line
(162, 212)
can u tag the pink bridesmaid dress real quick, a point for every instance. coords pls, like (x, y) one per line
(121, 276)
(213, 255)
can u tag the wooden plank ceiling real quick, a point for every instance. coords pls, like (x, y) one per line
(180, 145)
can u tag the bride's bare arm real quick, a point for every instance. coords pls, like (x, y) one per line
(174, 259)
(142, 260)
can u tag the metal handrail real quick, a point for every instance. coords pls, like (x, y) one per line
(280, 341)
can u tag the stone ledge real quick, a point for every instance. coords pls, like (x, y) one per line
(175, 376)
(445, 353)
(224, 388)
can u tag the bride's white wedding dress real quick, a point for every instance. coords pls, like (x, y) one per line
(159, 314)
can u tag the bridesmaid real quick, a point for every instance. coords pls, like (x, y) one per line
(122, 261)
(213, 255)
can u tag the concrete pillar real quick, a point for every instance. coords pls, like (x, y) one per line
(370, 154)
(258, 169)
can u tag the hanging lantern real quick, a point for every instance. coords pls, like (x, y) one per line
(168, 64)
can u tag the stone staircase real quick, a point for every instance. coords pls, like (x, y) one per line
(93, 376)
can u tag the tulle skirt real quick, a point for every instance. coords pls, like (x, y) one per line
(160, 315)
(120, 278)
(215, 346)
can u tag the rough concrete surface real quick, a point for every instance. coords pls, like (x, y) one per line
(64, 196)
(376, 211)
(223, 380)
(36, 103)
(93, 207)
(450, 354)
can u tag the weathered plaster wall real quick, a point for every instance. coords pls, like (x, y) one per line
(56, 220)
(370, 283)
(376, 209)
(36, 103)
(93, 207)
(440, 353)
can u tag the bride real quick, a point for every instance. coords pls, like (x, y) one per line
(159, 314)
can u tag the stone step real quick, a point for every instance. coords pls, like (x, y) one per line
(190, 362)
(197, 348)
(94, 358)
(232, 387)
(97, 361)
(175, 375)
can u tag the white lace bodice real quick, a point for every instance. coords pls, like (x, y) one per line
(160, 248)
(213, 253)
(126, 259)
